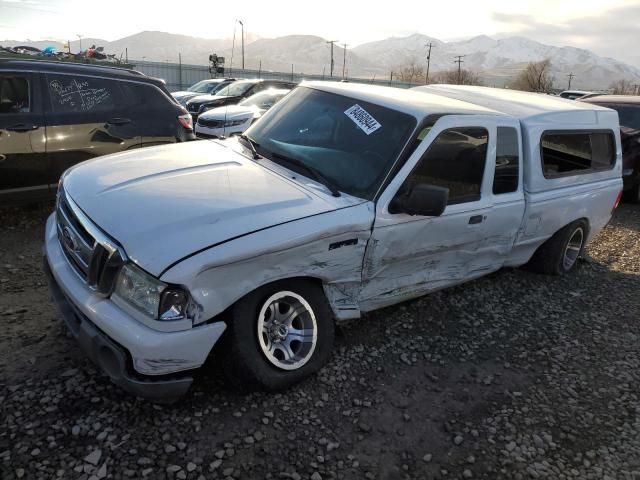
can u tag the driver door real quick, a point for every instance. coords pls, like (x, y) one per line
(408, 256)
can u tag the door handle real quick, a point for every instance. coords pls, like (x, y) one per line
(21, 127)
(119, 121)
(476, 219)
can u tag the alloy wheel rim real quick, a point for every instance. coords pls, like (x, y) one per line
(287, 330)
(574, 246)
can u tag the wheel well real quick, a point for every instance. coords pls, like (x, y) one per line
(584, 219)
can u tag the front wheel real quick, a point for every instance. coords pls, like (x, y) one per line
(278, 335)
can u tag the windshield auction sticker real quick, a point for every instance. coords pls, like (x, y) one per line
(362, 119)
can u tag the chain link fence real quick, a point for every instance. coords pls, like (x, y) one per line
(181, 76)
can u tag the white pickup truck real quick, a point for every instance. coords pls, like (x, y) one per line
(342, 199)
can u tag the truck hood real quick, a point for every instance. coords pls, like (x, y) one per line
(165, 203)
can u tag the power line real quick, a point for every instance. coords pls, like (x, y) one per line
(426, 77)
(459, 61)
(331, 42)
(571, 75)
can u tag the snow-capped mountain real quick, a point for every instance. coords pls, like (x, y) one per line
(497, 60)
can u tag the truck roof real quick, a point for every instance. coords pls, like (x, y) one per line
(522, 105)
(414, 102)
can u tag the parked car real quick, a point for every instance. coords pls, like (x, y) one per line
(343, 198)
(628, 108)
(232, 94)
(208, 87)
(574, 94)
(56, 114)
(234, 119)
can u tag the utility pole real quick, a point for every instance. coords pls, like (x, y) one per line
(426, 77)
(80, 40)
(390, 78)
(242, 27)
(344, 58)
(260, 69)
(571, 75)
(459, 61)
(233, 47)
(331, 42)
(292, 72)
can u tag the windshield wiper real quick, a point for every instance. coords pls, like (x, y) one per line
(315, 174)
(252, 146)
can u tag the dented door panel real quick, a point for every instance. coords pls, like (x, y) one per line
(410, 256)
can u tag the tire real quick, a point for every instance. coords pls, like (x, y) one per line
(559, 255)
(265, 362)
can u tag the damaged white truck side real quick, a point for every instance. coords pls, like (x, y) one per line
(342, 199)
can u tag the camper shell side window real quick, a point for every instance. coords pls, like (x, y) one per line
(574, 152)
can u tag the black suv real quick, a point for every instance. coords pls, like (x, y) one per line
(232, 94)
(56, 114)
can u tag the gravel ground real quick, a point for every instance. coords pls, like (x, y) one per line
(513, 376)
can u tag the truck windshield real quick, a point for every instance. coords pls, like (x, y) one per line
(351, 142)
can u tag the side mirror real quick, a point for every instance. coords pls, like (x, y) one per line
(423, 199)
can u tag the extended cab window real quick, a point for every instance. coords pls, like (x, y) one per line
(14, 94)
(81, 94)
(454, 160)
(566, 153)
(505, 179)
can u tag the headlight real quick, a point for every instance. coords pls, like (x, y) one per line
(233, 123)
(151, 296)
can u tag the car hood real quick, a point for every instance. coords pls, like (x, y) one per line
(165, 203)
(230, 112)
(208, 98)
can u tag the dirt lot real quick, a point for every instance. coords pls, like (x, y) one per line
(512, 376)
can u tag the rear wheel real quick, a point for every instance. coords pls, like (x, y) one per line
(560, 254)
(279, 334)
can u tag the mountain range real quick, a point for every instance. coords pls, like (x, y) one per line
(496, 60)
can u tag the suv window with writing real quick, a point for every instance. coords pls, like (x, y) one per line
(455, 160)
(14, 94)
(80, 94)
(565, 153)
(506, 175)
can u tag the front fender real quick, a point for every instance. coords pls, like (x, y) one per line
(329, 247)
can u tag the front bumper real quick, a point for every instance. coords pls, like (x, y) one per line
(143, 361)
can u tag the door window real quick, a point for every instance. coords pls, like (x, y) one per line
(14, 94)
(81, 94)
(505, 179)
(455, 160)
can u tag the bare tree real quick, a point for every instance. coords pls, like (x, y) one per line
(412, 72)
(622, 87)
(536, 77)
(467, 77)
